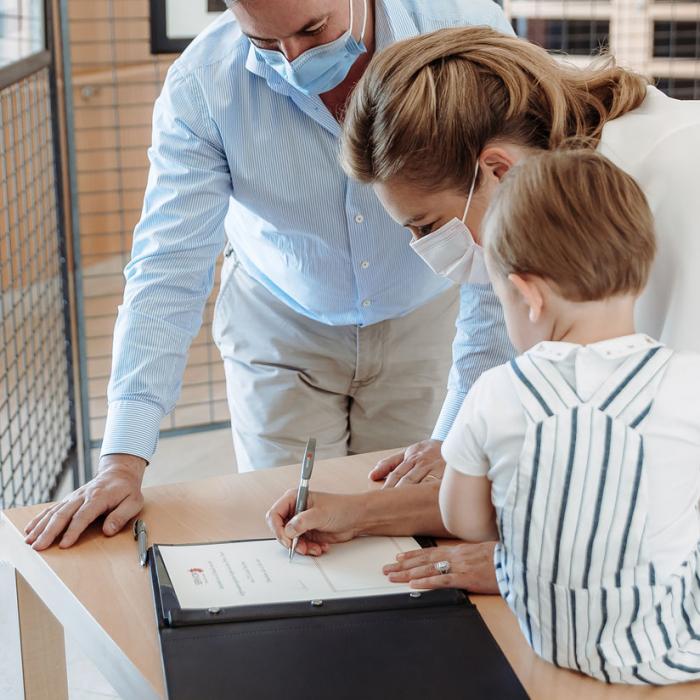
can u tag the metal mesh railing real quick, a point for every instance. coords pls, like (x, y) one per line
(35, 422)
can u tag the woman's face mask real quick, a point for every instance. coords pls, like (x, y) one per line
(321, 68)
(451, 251)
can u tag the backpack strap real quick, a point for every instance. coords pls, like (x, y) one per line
(541, 388)
(629, 391)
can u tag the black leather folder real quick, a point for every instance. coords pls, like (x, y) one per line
(422, 645)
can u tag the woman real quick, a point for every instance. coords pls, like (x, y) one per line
(434, 125)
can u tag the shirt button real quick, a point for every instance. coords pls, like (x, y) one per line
(359, 219)
(364, 264)
(366, 303)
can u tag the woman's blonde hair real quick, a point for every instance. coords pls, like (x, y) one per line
(576, 219)
(427, 106)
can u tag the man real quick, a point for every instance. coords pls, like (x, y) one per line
(313, 319)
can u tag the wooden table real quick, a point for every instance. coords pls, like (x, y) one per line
(100, 595)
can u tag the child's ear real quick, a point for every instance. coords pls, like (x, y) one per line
(531, 294)
(497, 161)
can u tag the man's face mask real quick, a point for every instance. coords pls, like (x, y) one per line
(451, 251)
(321, 68)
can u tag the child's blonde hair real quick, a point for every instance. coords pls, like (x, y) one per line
(575, 218)
(426, 107)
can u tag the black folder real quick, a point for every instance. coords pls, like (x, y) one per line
(425, 645)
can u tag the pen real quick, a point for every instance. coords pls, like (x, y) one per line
(141, 535)
(307, 466)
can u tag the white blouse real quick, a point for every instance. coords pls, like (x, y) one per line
(658, 144)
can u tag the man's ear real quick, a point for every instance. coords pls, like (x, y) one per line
(531, 294)
(496, 161)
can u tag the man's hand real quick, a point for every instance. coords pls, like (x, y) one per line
(415, 464)
(329, 518)
(471, 568)
(115, 490)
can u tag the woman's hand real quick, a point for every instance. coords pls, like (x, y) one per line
(471, 568)
(415, 464)
(328, 518)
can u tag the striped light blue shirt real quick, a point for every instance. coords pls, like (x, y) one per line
(239, 153)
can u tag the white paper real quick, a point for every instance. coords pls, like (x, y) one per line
(255, 573)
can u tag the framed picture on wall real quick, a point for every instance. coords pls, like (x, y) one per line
(174, 23)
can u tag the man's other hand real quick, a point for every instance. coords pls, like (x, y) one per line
(114, 491)
(411, 466)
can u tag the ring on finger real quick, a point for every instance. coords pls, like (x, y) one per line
(442, 567)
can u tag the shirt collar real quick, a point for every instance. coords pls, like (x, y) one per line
(612, 349)
(392, 23)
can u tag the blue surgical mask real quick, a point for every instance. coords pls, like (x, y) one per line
(321, 68)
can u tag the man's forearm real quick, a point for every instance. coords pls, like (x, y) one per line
(481, 343)
(410, 510)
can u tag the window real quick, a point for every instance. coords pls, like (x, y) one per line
(572, 36)
(680, 88)
(676, 39)
(21, 30)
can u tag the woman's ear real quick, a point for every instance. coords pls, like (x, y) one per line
(497, 161)
(530, 292)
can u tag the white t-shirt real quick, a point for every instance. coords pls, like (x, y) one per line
(658, 144)
(488, 434)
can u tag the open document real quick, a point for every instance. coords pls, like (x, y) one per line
(259, 572)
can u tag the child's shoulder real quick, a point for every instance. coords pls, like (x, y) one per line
(679, 393)
(491, 407)
(492, 392)
(682, 376)
(494, 380)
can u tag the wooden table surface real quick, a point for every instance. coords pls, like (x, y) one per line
(99, 593)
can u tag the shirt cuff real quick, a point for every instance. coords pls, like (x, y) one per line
(450, 408)
(132, 428)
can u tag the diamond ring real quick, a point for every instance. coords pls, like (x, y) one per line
(443, 567)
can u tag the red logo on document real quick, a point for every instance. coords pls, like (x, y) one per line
(198, 576)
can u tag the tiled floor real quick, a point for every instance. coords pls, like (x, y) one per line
(178, 459)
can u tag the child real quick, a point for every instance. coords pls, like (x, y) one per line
(583, 455)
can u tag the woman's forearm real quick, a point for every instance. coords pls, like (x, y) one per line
(409, 510)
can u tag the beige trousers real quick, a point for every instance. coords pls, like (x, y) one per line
(355, 389)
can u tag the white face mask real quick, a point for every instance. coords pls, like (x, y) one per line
(451, 251)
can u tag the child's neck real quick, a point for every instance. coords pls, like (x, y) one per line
(589, 322)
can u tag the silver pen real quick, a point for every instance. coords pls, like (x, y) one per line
(307, 467)
(141, 535)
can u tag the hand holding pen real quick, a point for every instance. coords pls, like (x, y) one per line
(329, 518)
(307, 467)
